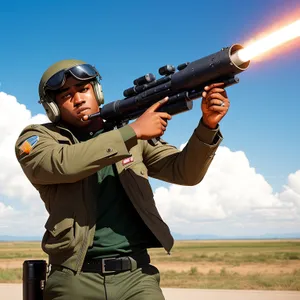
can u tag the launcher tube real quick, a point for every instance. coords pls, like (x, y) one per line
(190, 80)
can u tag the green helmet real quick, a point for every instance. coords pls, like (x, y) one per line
(54, 78)
(55, 68)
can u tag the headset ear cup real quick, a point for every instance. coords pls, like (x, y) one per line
(52, 111)
(98, 92)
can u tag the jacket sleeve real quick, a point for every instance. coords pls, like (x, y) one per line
(186, 167)
(54, 161)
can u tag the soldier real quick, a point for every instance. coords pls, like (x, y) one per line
(94, 184)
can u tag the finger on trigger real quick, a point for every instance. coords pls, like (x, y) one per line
(157, 104)
(164, 100)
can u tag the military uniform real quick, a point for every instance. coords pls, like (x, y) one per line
(60, 167)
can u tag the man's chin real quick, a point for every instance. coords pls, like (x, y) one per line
(95, 122)
(77, 122)
(82, 123)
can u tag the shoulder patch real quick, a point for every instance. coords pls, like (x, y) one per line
(29, 144)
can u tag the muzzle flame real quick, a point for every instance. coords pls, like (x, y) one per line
(269, 42)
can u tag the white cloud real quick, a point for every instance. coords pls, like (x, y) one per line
(5, 210)
(231, 200)
(15, 190)
(25, 222)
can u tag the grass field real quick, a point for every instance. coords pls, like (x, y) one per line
(262, 264)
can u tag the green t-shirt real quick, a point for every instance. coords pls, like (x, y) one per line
(119, 228)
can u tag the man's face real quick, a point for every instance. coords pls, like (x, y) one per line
(75, 99)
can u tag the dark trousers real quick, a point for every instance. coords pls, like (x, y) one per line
(140, 284)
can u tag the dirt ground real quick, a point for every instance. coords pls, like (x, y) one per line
(241, 269)
(287, 267)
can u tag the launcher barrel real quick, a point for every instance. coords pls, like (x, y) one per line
(181, 86)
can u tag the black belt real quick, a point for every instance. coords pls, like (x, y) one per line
(116, 264)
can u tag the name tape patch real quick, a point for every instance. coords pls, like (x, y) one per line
(127, 160)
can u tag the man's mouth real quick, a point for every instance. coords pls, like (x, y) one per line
(82, 110)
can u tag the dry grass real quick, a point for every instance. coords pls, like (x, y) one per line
(272, 265)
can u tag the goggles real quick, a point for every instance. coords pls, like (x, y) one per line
(80, 72)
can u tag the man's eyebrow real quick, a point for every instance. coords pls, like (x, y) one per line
(64, 90)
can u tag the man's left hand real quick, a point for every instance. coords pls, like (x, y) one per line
(215, 104)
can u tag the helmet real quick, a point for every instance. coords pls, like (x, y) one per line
(54, 78)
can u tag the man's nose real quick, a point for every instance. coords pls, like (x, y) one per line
(78, 99)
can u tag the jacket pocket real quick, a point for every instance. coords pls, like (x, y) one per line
(139, 169)
(59, 236)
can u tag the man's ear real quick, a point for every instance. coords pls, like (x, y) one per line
(98, 92)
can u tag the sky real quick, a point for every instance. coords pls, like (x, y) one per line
(253, 184)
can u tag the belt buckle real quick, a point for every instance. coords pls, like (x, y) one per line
(103, 265)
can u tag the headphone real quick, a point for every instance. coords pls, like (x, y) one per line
(52, 110)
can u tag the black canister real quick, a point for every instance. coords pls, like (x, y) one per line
(34, 278)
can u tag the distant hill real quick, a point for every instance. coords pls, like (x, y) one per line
(177, 236)
(8, 238)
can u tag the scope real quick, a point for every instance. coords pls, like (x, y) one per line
(166, 70)
(144, 79)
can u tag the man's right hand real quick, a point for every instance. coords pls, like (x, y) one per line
(151, 124)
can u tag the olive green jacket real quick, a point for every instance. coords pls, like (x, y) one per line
(59, 167)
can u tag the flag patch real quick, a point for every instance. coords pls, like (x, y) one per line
(127, 160)
(28, 145)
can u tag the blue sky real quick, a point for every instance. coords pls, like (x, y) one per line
(126, 39)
